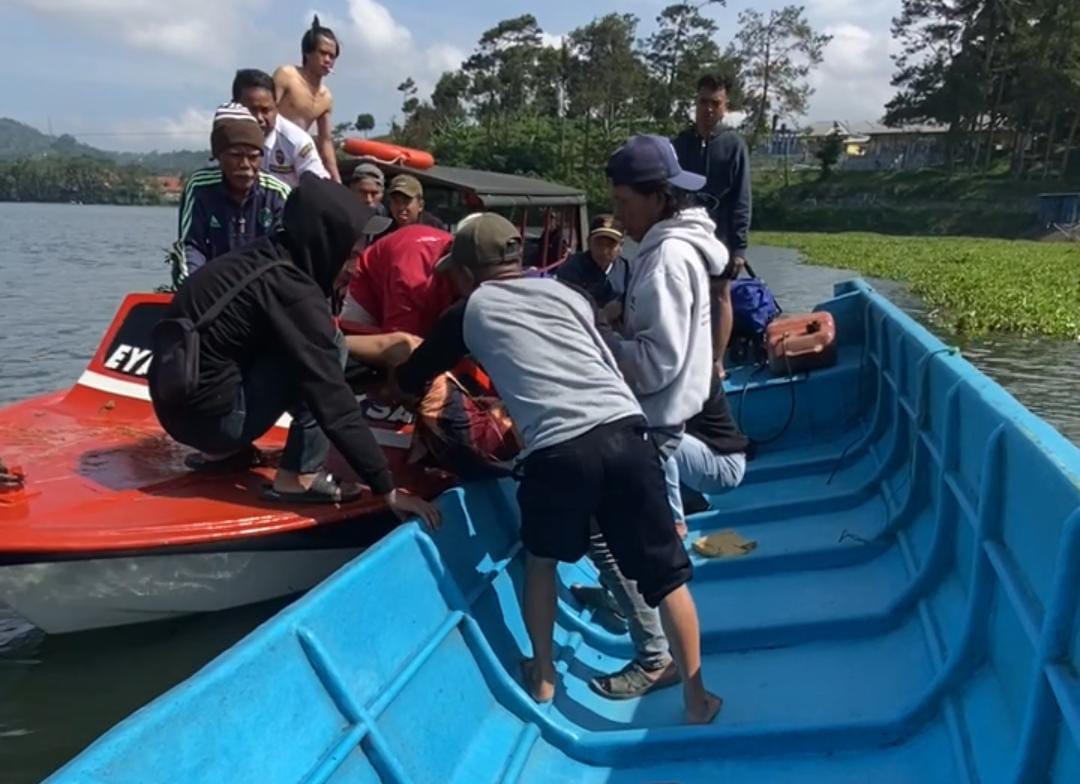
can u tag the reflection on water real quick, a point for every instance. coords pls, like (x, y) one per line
(63, 270)
(57, 694)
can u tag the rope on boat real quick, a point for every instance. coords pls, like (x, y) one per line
(791, 409)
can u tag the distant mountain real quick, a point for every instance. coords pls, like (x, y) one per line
(18, 140)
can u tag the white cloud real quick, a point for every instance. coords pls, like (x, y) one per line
(443, 57)
(850, 49)
(877, 12)
(853, 81)
(192, 122)
(375, 28)
(178, 28)
(379, 53)
(188, 130)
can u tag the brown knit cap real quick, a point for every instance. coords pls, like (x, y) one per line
(234, 124)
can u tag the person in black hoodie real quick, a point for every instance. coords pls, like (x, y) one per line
(720, 155)
(274, 348)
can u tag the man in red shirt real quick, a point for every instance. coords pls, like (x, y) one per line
(394, 296)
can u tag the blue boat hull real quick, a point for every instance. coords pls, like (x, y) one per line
(910, 614)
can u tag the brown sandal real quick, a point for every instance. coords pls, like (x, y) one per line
(633, 681)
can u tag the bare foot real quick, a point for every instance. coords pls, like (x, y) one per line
(681, 529)
(703, 711)
(540, 685)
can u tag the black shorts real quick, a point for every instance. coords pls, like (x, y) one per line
(611, 474)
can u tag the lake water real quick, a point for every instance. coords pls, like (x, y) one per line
(63, 271)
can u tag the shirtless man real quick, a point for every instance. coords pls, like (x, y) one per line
(302, 96)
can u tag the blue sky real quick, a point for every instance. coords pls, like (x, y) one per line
(146, 74)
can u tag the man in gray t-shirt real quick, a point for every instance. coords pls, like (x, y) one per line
(586, 456)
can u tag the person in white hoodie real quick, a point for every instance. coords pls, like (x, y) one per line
(664, 347)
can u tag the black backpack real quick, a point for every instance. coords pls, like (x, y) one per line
(174, 372)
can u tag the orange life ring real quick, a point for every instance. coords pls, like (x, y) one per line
(389, 153)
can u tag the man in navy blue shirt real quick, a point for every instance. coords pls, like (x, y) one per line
(601, 270)
(720, 155)
(230, 205)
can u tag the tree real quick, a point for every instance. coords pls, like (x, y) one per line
(449, 96)
(337, 133)
(981, 66)
(364, 123)
(550, 81)
(409, 101)
(78, 178)
(1046, 42)
(502, 70)
(830, 151)
(777, 54)
(604, 75)
(419, 118)
(681, 49)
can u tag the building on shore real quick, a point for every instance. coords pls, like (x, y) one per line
(867, 145)
(171, 188)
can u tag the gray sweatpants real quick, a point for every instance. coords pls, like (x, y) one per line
(646, 633)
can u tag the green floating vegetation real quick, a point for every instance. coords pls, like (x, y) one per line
(975, 285)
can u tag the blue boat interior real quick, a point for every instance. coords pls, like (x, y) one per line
(910, 614)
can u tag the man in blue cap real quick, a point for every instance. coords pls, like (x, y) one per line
(664, 348)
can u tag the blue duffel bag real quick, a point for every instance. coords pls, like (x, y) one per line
(754, 306)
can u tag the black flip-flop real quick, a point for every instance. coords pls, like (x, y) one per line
(325, 489)
(249, 457)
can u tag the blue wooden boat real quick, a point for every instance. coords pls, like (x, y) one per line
(910, 614)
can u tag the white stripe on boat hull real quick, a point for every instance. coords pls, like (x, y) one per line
(136, 391)
(69, 596)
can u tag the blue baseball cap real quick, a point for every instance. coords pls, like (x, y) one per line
(650, 158)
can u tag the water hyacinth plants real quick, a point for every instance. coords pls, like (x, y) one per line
(975, 285)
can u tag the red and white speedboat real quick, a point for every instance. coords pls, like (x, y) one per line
(107, 527)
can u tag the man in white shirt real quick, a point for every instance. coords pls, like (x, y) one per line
(289, 150)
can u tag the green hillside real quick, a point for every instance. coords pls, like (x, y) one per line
(21, 141)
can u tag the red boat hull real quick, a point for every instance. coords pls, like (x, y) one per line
(103, 480)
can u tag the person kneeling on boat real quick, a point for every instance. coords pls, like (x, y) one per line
(586, 456)
(711, 457)
(267, 344)
(394, 295)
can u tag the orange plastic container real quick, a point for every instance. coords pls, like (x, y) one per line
(801, 342)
